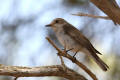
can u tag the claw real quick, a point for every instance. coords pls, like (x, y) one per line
(74, 59)
(58, 54)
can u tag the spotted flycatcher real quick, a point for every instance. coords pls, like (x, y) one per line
(72, 38)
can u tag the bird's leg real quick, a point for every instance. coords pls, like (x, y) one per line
(75, 54)
(74, 59)
(67, 50)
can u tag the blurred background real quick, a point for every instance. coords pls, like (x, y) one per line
(23, 32)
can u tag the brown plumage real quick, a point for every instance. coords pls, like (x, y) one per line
(71, 37)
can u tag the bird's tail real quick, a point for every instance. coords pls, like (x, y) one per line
(102, 65)
(93, 54)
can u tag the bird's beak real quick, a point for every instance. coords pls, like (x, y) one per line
(48, 25)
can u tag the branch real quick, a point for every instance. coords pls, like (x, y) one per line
(109, 7)
(55, 70)
(93, 16)
(64, 53)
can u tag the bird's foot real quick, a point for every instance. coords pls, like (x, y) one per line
(73, 59)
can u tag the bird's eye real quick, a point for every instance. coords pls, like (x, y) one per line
(57, 21)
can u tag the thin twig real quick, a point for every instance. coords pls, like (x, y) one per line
(63, 53)
(62, 62)
(93, 16)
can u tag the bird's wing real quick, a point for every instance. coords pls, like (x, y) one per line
(83, 41)
(80, 38)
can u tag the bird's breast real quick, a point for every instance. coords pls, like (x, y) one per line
(68, 42)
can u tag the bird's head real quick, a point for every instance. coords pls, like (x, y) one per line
(57, 23)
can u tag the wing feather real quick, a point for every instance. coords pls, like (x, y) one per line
(80, 38)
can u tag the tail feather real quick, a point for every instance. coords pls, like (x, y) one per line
(93, 53)
(103, 65)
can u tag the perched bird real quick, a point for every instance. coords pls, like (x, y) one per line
(71, 38)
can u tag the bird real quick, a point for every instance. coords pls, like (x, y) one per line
(71, 38)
